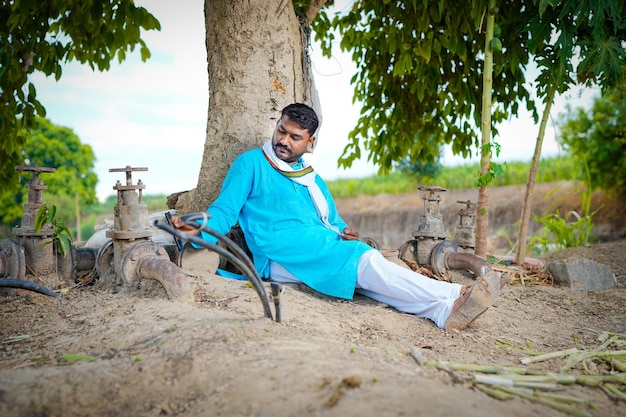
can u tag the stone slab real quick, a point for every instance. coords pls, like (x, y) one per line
(582, 274)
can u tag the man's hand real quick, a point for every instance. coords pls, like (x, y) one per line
(184, 227)
(349, 234)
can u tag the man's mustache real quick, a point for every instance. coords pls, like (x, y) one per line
(281, 147)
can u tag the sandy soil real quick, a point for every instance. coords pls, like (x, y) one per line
(101, 353)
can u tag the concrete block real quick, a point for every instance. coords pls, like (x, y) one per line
(582, 274)
(199, 260)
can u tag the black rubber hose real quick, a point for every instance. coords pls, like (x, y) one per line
(27, 285)
(241, 261)
(193, 219)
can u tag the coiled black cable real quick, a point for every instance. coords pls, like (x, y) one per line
(27, 285)
(236, 255)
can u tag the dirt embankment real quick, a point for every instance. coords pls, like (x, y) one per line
(392, 219)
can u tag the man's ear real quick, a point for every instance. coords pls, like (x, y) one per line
(310, 143)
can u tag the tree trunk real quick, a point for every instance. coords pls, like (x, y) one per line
(482, 207)
(520, 253)
(257, 64)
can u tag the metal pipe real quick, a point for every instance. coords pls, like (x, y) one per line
(169, 275)
(469, 261)
(149, 260)
(86, 259)
(277, 290)
(490, 279)
(448, 256)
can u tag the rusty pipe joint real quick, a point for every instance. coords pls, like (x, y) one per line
(147, 260)
(12, 259)
(448, 256)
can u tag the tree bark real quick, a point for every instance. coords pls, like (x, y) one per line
(482, 207)
(520, 253)
(257, 63)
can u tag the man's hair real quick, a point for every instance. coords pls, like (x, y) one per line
(302, 114)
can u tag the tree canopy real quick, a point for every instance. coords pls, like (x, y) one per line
(597, 139)
(48, 145)
(41, 36)
(420, 66)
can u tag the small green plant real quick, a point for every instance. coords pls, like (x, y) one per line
(61, 235)
(569, 231)
(170, 329)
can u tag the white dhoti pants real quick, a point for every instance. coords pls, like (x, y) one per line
(398, 287)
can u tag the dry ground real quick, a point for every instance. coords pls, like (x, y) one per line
(147, 356)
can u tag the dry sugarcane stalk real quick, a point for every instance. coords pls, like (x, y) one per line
(576, 358)
(417, 355)
(517, 349)
(548, 356)
(607, 356)
(606, 335)
(573, 411)
(535, 385)
(546, 377)
(613, 391)
(608, 342)
(568, 399)
(618, 365)
(486, 369)
(546, 383)
(456, 366)
(596, 380)
(494, 392)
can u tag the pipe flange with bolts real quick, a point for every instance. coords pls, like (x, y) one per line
(14, 260)
(438, 258)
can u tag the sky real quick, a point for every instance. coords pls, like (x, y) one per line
(153, 114)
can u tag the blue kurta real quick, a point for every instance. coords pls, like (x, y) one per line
(281, 224)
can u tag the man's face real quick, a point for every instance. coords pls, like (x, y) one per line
(290, 140)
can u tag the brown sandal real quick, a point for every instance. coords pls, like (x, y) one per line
(474, 301)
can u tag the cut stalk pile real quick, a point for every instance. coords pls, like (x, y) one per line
(525, 275)
(602, 367)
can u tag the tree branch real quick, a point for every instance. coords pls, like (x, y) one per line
(314, 8)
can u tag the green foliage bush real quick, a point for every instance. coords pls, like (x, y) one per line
(596, 139)
(458, 177)
(57, 147)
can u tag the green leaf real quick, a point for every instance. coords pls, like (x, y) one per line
(42, 217)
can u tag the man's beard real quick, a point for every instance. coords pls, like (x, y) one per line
(287, 151)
